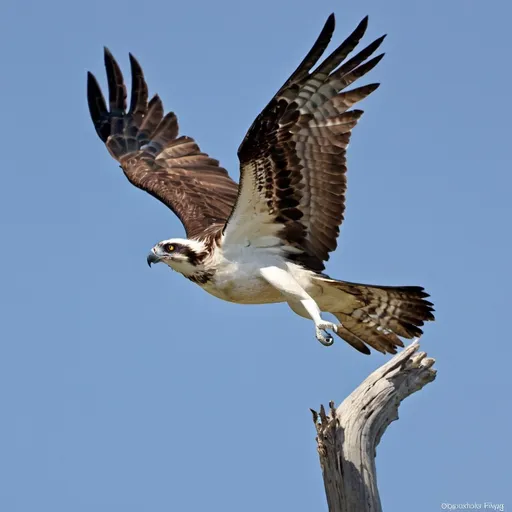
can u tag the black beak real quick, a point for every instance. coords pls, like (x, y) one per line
(152, 258)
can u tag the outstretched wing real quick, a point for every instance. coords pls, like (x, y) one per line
(293, 157)
(152, 155)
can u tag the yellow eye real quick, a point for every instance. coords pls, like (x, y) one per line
(169, 248)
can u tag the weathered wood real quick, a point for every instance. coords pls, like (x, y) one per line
(347, 437)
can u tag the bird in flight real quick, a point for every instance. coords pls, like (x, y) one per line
(266, 239)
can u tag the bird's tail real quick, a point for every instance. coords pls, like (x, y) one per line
(376, 315)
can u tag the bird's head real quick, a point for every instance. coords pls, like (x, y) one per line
(184, 256)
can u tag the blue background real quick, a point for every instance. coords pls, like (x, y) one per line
(125, 389)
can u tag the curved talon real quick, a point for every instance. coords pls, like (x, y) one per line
(327, 341)
(322, 335)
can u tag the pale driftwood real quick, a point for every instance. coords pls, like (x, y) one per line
(348, 436)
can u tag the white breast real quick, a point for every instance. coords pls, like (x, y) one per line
(237, 277)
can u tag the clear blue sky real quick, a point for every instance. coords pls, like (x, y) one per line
(129, 389)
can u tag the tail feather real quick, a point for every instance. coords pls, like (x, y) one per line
(377, 315)
(371, 332)
(351, 338)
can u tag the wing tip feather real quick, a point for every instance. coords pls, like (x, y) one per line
(107, 54)
(331, 22)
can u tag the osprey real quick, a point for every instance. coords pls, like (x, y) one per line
(265, 240)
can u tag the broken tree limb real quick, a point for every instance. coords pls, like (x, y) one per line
(347, 436)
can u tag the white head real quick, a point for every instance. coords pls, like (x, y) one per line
(184, 256)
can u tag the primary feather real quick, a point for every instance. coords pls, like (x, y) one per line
(152, 155)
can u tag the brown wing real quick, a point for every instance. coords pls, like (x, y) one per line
(146, 144)
(293, 157)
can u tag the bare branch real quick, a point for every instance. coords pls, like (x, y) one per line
(347, 437)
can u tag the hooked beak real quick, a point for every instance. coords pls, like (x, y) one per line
(153, 258)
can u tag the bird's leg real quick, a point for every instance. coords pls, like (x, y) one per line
(321, 325)
(306, 309)
(283, 281)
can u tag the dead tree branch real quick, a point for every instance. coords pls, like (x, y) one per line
(347, 437)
